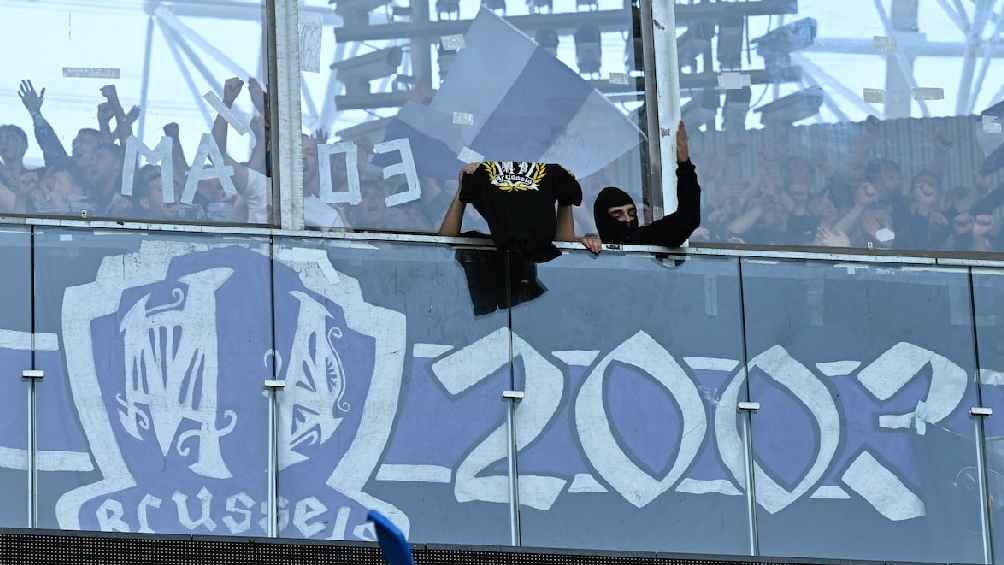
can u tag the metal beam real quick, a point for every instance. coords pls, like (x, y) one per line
(144, 88)
(186, 49)
(243, 11)
(961, 10)
(653, 122)
(420, 54)
(973, 39)
(984, 64)
(167, 18)
(607, 20)
(285, 106)
(954, 16)
(900, 82)
(187, 77)
(398, 98)
(700, 81)
(686, 13)
(917, 48)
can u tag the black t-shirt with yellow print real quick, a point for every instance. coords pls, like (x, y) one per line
(517, 200)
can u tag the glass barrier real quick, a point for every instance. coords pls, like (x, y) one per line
(394, 358)
(123, 109)
(863, 443)
(396, 99)
(15, 357)
(868, 124)
(153, 418)
(152, 414)
(628, 435)
(988, 299)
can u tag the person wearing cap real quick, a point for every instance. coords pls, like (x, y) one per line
(617, 216)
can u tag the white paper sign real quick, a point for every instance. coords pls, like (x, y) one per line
(885, 44)
(920, 93)
(463, 119)
(619, 78)
(92, 72)
(733, 81)
(873, 95)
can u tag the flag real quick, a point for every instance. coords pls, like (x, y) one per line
(396, 550)
(506, 98)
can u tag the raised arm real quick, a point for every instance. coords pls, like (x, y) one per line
(676, 228)
(231, 89)
(52, 148)
(177, 156)
(454, 217)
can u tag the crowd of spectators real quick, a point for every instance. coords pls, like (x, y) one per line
(867, 202)
(87, 181)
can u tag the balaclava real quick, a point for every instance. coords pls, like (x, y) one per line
(611, 230)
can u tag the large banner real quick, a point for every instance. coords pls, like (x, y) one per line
(153, 416)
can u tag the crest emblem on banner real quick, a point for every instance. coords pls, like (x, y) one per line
(167, 348)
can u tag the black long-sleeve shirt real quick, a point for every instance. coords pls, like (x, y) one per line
(674, 229)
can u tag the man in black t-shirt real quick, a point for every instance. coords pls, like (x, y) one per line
(518, 199)
(617, 216)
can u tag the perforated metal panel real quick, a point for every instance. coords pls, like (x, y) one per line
(30, 547)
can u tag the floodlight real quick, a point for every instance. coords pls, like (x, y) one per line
(356, 72)
(694, 42)
(792, 108)
(776, 46)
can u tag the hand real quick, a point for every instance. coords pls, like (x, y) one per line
(111, 95)
(682, 147)
(171, 130)
(469, 168)
(32, 100)
(320, 136)
(124, 124)
(592, 242)
(258, 96)
(231, 90)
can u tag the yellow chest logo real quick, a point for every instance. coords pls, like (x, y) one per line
(516, 176)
